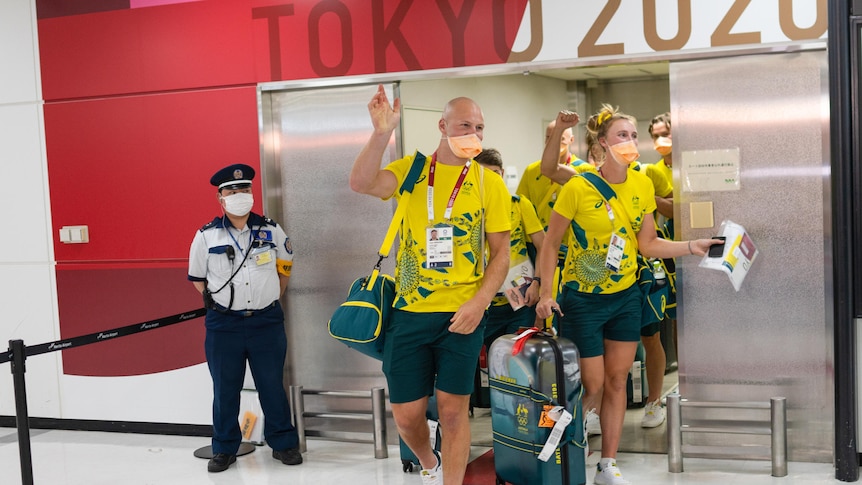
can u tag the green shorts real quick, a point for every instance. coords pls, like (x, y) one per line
(420, 353)
(590, 318)
(651, 329)
(502, 320)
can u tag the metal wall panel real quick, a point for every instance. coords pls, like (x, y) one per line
(310, 139)
(774, 336)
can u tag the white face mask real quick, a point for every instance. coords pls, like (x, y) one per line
(238, 204)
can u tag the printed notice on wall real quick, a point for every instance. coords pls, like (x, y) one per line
(737, 256)
(710, 170)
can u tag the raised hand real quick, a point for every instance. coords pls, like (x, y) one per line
(384, 117)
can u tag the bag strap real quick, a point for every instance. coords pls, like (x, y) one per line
(607, 193)
(405, 190)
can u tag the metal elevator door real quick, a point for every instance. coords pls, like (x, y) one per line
(310, 138)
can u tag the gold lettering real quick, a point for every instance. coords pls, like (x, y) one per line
(683, 33)
(536, 32)
(722, 35)
(589, 46)
(792, 31)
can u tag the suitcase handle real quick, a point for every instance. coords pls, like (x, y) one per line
(561, 398)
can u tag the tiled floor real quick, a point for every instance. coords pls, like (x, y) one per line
(94, 458)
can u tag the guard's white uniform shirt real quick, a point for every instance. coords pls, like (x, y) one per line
(257, 248)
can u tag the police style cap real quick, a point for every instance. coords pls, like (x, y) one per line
(236, 176)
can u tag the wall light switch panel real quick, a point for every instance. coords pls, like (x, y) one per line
(701, 215)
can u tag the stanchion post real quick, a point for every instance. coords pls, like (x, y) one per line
(298, 406)
(674, 434)
(378, 412)
(21, 416)
(778, 413)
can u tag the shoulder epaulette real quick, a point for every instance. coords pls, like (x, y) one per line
(268, 221)
(209, 225)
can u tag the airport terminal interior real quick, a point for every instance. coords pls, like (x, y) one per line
(96, 458)
(760, 108)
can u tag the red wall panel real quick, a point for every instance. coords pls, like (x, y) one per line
(94, 298)
(215, 43)
(136, 170)
(182, 46)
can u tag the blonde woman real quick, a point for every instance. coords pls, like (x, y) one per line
(600, 305)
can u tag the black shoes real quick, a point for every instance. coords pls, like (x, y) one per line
(290, 456)
(220, 462)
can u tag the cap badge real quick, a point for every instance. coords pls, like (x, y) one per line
(237, 174)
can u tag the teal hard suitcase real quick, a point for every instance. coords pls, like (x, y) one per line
(525, 382)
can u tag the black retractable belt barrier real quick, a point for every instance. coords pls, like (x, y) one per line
(18, 354)
(106, 334)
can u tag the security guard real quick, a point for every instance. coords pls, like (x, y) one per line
(241, 263)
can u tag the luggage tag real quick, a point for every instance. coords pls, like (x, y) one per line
(616, 250)
(432, 430)
(439, 246)
(545, 420)
(562, 418)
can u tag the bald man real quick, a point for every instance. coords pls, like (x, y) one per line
(442, 287)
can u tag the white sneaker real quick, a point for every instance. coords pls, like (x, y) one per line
(592, 425)
(654, 414)
(435, 475)
(610, 475)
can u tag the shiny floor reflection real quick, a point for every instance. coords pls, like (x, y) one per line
(95, 458)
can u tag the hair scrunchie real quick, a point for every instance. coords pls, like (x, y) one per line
(603, 117)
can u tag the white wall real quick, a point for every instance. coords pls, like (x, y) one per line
(27, 290)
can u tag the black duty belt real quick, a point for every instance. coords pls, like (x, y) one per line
(244, 313)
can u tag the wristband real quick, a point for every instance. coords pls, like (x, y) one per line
(537, 280)
(689, 248)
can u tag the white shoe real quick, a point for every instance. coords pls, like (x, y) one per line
(654, 414)
(592, 425)
(435, 475)
(610, 475)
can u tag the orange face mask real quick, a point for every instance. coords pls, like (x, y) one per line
(466, 146)
(663, 145)
(625, 153)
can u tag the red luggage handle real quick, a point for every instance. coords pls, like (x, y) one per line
(522, 338)
(525, 335)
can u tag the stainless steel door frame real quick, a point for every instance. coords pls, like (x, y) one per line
(309, 139)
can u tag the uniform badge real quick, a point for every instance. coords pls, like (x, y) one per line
(263, 235)
(237, 174)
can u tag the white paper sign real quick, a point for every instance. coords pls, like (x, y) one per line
(710, 170)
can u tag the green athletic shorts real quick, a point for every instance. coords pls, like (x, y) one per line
(420, 353)
(502, 320)
(651, 329)
(589, 318)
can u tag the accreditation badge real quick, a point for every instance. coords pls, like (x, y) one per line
(439, 246)
(616, 250)
(261, 256)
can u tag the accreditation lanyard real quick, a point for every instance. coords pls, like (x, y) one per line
(430, 202)
(250, 238)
